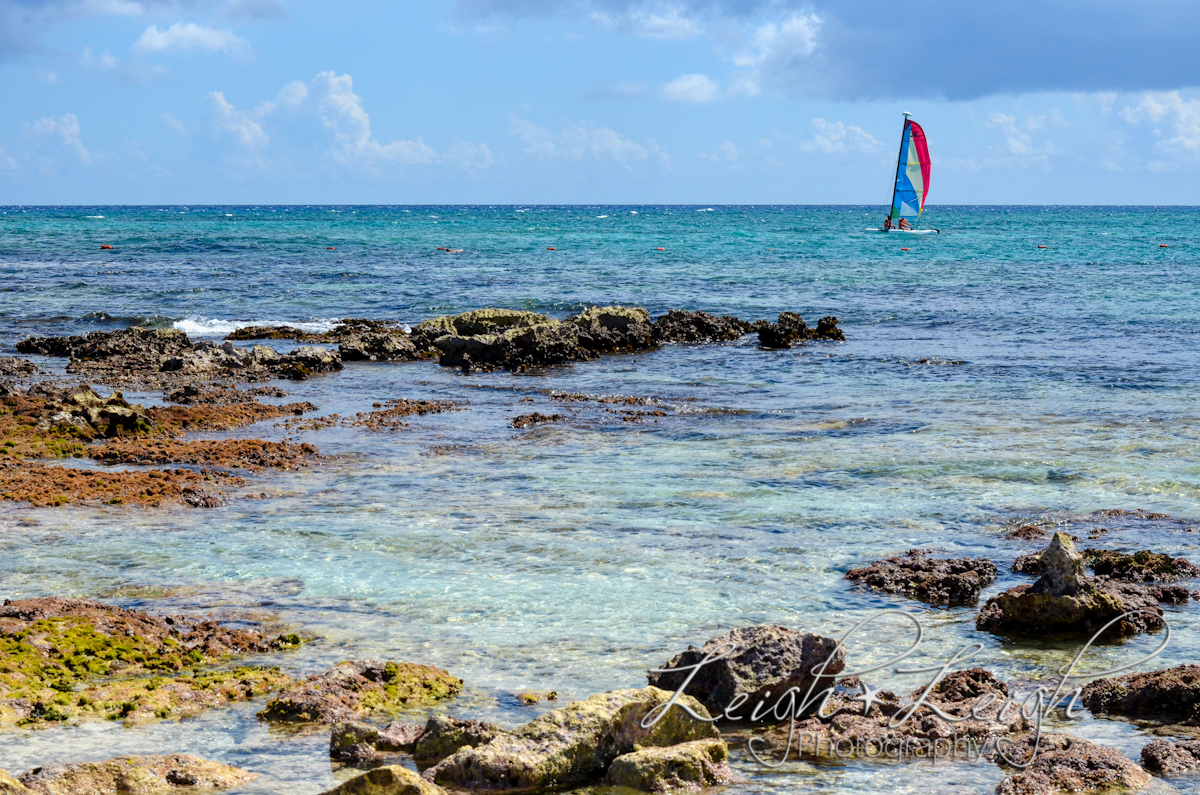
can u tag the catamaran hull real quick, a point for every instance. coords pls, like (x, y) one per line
(909, 231)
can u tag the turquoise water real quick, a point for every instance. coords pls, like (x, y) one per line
(572, 557)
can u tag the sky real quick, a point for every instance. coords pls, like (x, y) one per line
(595, 101)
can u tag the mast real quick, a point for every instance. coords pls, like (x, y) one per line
(899, 154)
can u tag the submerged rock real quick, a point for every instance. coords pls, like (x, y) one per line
(357, 688)
(1064, 601)
(573, 744)
(765, 659)
(679, 325)
(1170, 693)
(1065, 763)
(134, 775)
(936, 580)
(536, 418)
(390, 780)
(687, 766)
(1167, 758)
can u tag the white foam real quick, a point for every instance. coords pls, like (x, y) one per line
(212, 327)
(93, 216)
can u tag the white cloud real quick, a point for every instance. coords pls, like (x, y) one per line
(6, 162)
(576, 141)
(135, 72)
(469, 156)
(670, 22)
(239, 124)
(1182, 114)
(66, 129)
(188, 36)
(175, 124)
(695, 89)
(341, 111)
(1017, 138)
(776, 53)
(837, 138)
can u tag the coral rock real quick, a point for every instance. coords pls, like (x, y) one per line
(700, 763)
(1068, 764)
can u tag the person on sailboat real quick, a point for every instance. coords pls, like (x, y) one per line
(887, 222)
(903, 224)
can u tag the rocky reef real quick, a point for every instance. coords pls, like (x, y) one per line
(428, 743)
(791, 329)
(935, 580)
(1065, 601)
(1167, 758)
(355, 689)
(67, 659)
(1065, 763)
(698, 327)
(1142, 566)
(127, 775)
(1172, 694)
(573, 744)
(763, 659)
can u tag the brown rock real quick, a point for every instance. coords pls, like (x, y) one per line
(390, 780)
(936, 580)
(444, 735)
(357, 688)
(1172, 693)
(1166, 758)
(687, 766)
(135, 775)
(1065, 763)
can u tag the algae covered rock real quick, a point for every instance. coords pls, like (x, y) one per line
(764, 659)
(935, 580)
(443, 735)
(693, 765)
(1065, 763)
(357, 688)
(1143, 566)
(353, 742)
(1064, 601)
(614, 329)
(572, 744)
(1170, 693)
(390, 780)
(135, 775)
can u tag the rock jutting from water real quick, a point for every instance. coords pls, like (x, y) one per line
(355, 689)
(679, 325)
(687, 766)
(127, 775)
(389, 780)
(14, 367)
(68, 659)
(1171, 758)
(1143, 566)
(1065, 601)
(764, 659)
(1172, 693)
(1064, 763)
(791, 328)
(935, 580)
(573, 744)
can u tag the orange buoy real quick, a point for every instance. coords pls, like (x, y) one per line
(551, 248)
(105, 246)
(1041, 246)
(1163, 245)
(906, 249)
(329, 248)
(660, 248)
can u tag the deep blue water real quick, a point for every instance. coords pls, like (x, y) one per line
(984, 382)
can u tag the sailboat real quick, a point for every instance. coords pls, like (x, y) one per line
(912, 181)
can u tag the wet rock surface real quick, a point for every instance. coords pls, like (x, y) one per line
(43, 486)
(536, 418)
(1143, 566)
(571, 745)
(1172, 693)
(935, 580)
(14, 367)
(390, 416)
(443, 735)
(75, 658)
(390, 780)
(134, 775)
(614, 329)
(1064, 763)
(356, 689)
(764, 658)
(790, 328)
(1168, 758)
(682, 326)
(1066, 602)
(973, 699)
(687, 766)
(253, 454)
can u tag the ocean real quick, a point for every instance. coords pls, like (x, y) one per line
(1027, 364)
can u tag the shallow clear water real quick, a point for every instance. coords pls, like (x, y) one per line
(1056, 382)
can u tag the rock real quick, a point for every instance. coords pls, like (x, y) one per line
(391, 417)
(353, 742)
(614, 329)
(1064, 601)
(1166, 758)
(134, 775)
(1027, 532)
(357, 688)
(443, 735)
(1144, 566)
(378, 348)
(572, 744)
(534, 697)
(1065, 763)
(81, 407)
(10, 786)
(682, 326)
(936, 580)
(766, 659)
(267, 333)
(17, 368)
(390, 780)
(1028, 564)
(791, 328)
(136, 343)
(1172, 692)
(309, 360)
(520, 347)
(693, 765)
(974, 698)
(536, 418)
(399, 736)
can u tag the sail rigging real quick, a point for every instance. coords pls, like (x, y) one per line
(912, 172)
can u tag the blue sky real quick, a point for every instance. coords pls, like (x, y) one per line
(595, 101)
